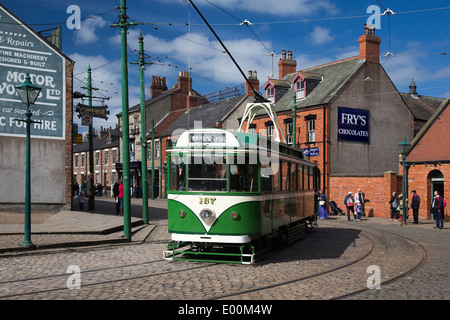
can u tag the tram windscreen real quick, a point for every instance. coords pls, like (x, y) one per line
(207, 173)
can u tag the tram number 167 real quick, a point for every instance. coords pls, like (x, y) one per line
(206, 200)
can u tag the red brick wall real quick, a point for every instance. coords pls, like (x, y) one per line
(377, 190)
(419, 179)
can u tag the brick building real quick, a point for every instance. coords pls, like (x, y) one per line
(428, 160)
(163, 107)
(349, 120)
(106, 154)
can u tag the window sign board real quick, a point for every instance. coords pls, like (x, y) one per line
(353, 125)
(22, 51)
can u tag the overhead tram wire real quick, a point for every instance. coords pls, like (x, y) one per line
(257, 94)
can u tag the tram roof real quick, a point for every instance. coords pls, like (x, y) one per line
(197, 139)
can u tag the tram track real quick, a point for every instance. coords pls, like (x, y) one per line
(244, 294)
(143, 271)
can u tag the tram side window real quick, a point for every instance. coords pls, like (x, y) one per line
(243, 174)
(207, 173)
(266, 177)
(276, 168)
(177, 173)
(284, 175)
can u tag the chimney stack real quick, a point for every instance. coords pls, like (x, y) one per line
(158, 86)
(184, 82)
(369, 45)
(253, 79)
(286, 66)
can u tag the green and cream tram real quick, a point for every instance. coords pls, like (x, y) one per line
(233, 195)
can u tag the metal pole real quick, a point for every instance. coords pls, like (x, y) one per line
(123, 24)
(91, 134)
(153, 160)
(294, 116)
(27, 231)
(403, 191)
(143, 130)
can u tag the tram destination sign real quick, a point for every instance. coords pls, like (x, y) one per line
(22, 51)
(207, 138)
(353, 125)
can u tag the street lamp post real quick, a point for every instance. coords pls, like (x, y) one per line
(403, 148)
(28, 93)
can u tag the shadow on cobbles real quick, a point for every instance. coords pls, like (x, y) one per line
(322, 244)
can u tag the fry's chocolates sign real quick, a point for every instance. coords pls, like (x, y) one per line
(353, 125)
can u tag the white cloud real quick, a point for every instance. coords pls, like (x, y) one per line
(321, 35)
(87, 32)
(283, 8)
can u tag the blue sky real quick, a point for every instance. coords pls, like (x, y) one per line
(316, 31)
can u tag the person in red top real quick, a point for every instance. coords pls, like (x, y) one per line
(120, 196)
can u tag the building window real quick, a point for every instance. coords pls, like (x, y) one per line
(114, 155)
(157, 149)
(312, 130)
(136, 125)
(270, 131)
(289, 132)
(106, 157)
(76, 161)
(97, 158)
(132, 154)
(270, 94)
(300, 89)
(82, 160)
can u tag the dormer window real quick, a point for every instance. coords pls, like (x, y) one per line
(270, 94)
(300, 89)
(299, 85)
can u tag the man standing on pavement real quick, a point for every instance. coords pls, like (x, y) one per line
(90, 192)
(415, 204)
(438, 208)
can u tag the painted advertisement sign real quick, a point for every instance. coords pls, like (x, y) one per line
(22, 51)
(353, 125)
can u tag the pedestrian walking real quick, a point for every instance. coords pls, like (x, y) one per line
(81, 201)
(90, 192)
(358, 209)
(400, 207)
(120, 196)
(438, 210)
(116, 196)
(394, 205)
(349, 202)
(415, 204)
(323, 206)
(360, 196)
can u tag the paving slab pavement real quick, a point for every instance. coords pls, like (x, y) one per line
(80, 228)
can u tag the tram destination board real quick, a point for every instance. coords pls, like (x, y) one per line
(207, 138)
(22, 51)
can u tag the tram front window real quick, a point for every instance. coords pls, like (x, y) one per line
(207, 173)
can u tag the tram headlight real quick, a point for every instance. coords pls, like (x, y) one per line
(182, 214)
(235, 215)
(206, 215)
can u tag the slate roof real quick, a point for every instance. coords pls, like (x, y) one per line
(99, 143)
(208, 114)
(335, 75)
(422, 107)
(432, 141)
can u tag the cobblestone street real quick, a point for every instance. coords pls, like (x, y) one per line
(327, 264)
